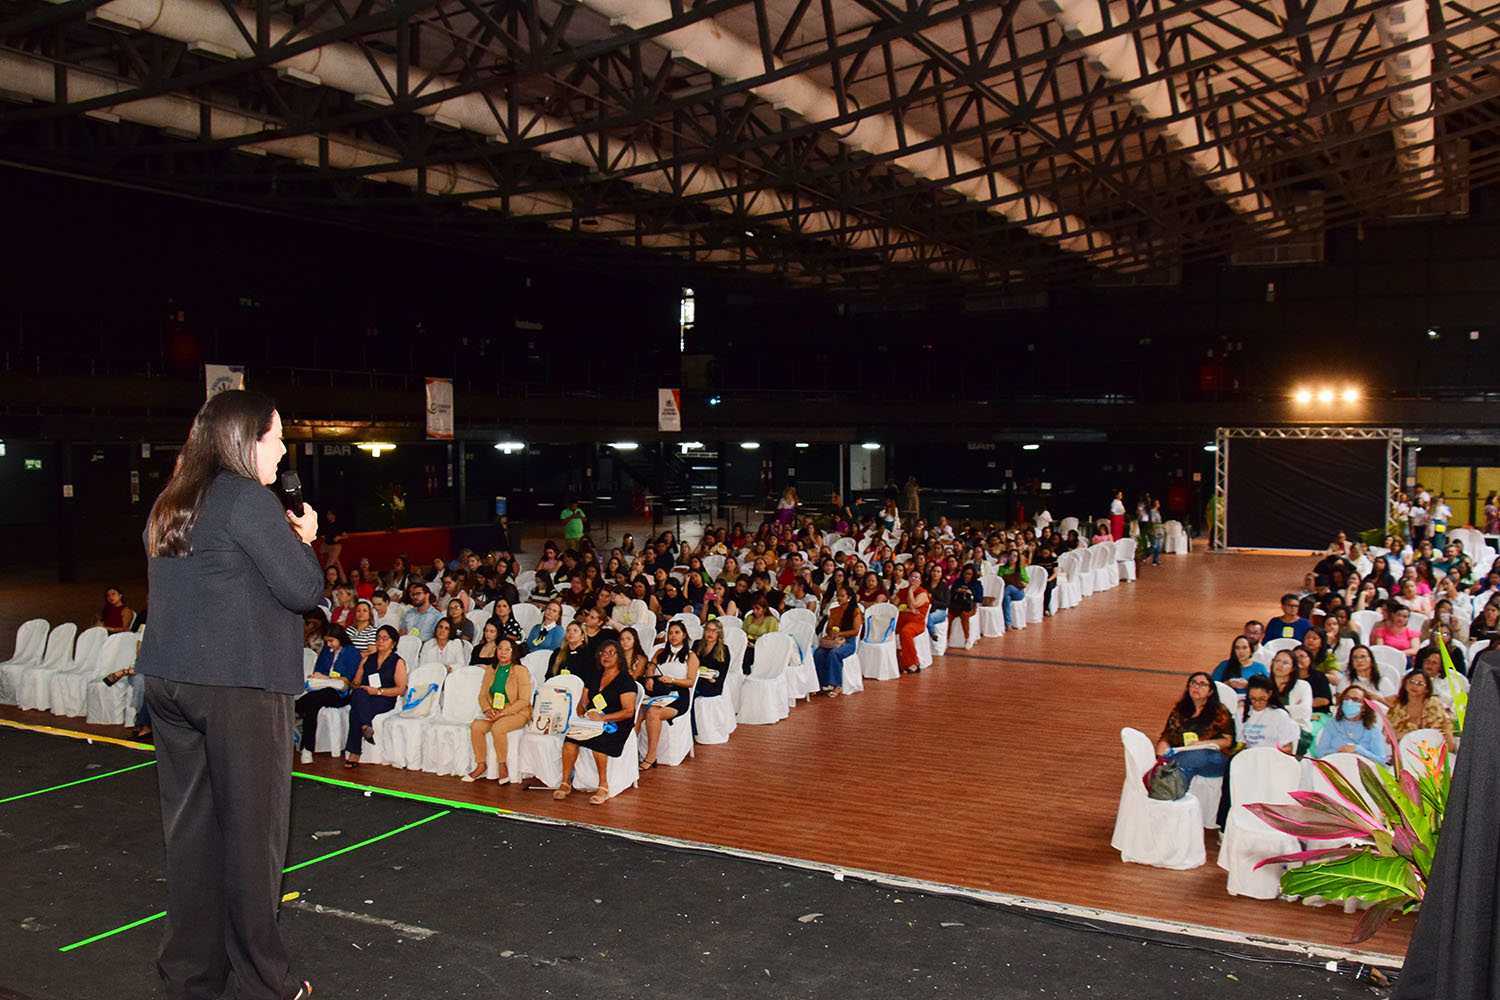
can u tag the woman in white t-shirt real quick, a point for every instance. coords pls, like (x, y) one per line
(1263, 723)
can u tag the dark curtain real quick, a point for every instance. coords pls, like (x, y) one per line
(1455, 947)
(1298, 494)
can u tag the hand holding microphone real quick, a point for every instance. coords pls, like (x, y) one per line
(301, 516)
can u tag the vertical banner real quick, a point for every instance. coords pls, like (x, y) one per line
(221, 378)
(669, 409)
(440, 408)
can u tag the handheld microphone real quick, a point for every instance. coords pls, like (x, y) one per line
(291, 492)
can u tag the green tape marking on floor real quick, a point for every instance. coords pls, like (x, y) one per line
(304, 864)
(70, 784)
(450, 803)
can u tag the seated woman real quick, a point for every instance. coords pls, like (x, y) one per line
(1394, 632)
(1430, 662)
(730, 572)
(573, 656)
(672, 600)
(548, 633)
(1241, 665)
(838, 642)
(1486, 624)
(443, 647)
(633, 656)
(1365, 672)
(1316, 680)
(462, 627)
(336, 660)
(937, 594)
(361, 580)
(380, 680)
(115, 616)
(1417, 707)
(333, 579)
(543, 591)
(341, 612)
(911, 621)
(504, 702)
(486, 651)
(717, 602)
(1408, 597)
(1199, 719)
(1263, 723)
(713, 661)
(797, 596)
(1353, 729)
(1319, 651)
(1292, 693)
(361, 631)
(759, 622)
(964, 598)
(505, 621)
(672, 676)
(610, 700)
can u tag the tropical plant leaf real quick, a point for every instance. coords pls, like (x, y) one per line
(1317, 854)
(1308, 823)
(1459, 693)
(1395, 816)
(1375, 918)
(1346, 791)
(1391, 738)
(1365, 876)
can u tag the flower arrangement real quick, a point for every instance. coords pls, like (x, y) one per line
(1390, 832)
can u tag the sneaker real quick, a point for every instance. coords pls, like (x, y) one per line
(307, 757)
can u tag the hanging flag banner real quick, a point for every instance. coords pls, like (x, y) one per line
(440, 408)
(669, 409)
(221, 378)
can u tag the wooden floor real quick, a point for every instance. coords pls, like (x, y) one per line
(998, 769)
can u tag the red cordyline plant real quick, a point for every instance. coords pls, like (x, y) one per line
(1389, 833)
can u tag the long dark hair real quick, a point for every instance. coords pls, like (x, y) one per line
(1260, 682)
(222, 439)
(1186, 712)
(1374, 667)
(1232, 667)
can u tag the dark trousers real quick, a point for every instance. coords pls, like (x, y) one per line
(363, 707)
(224, 764)
(308, 706)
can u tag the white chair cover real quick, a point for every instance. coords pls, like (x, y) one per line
(1261, 774)
(525, 584)
(540, 754)
(876, 647)
(1036, 591)
(1125, 558)
(764, 696)
(621, 772)
(446, 748)
(31, 642)
(69, 691)
(991, 617)
(528, 616)
(112, 706)
(333, 730)
(33, 685)
(802, 674)
(1153, 831)
(400, 738)
(1270, 648)
(1390, 661)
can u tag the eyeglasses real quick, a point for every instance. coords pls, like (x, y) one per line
(1199, 684)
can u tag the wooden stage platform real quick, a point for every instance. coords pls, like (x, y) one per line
(999, 769)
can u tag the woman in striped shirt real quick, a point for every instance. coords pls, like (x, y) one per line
(361, 627)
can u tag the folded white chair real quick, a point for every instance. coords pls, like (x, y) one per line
(31, 644)
(1157, 832)
(540, 744)
(400, 737)
(876, 647)
(34, 689)
(1125, 558)
(763, 695)
(105, 705)
(1261, 774)
(446, 747)
(33, 685)
(621, 772)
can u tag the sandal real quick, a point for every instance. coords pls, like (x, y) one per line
(601, 795)
(563, 791)
(475, 774)
(351, 762)
(368, 732)
(647, 765)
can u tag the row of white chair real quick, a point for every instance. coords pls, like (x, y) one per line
(59, 670)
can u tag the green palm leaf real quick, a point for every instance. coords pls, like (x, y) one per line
(1364, 876)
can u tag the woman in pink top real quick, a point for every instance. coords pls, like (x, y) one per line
(1393, 632)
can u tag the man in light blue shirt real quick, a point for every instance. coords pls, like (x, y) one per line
(422, 617)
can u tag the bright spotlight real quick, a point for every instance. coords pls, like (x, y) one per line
(1031, 447)
(624, 445)
(376, 448)
(1325, 396)
(750, 445)
(509, 447)
(1303, 396)
(1210, 447)
(871, 446)
(803, 444)
(1351, 395)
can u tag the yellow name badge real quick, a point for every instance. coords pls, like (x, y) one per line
(497, 701)
(1188, 739)
(599, 702)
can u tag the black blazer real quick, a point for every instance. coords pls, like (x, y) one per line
(229, 614)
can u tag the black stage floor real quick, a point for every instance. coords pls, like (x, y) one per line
(468, 904)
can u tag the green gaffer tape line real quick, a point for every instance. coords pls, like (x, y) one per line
(376, 789)
(304, 864)
(70, 784)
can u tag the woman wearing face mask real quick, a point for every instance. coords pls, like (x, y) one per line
(1353, 729)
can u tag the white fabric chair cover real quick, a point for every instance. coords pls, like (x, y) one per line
(69, 691)
(31, 643)
(737, 642)
(33, 687)
(525, 584)
(713, 718)
(876, 646)
(764, 697)
(1102, 564)
(1261, 774)
(1066, 525)
(540, 754)
(1036, 592)
(1390, 661)
(112, 706)
(676, 741)
(923, 643)
(939, 635)
(621, 772)
(728, 622)
(446, 748)
(333, 731)
(34, 690)
(802, 674)
(400, 738)
(1174, 539)
(991, 617)
(1153, 831)
(528, 616)
(690, 621)
(1125, 558)
(713, 566)
(1085, 570)
(1270, 648)
(309, 662)
(1365, 622)
(1069, 589)
(409, 648)
(1299, 705)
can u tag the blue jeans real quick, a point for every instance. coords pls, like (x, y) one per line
(1009, 596)
(1202, 763)
(1156, 550)
(936, 617)
(829, 663)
